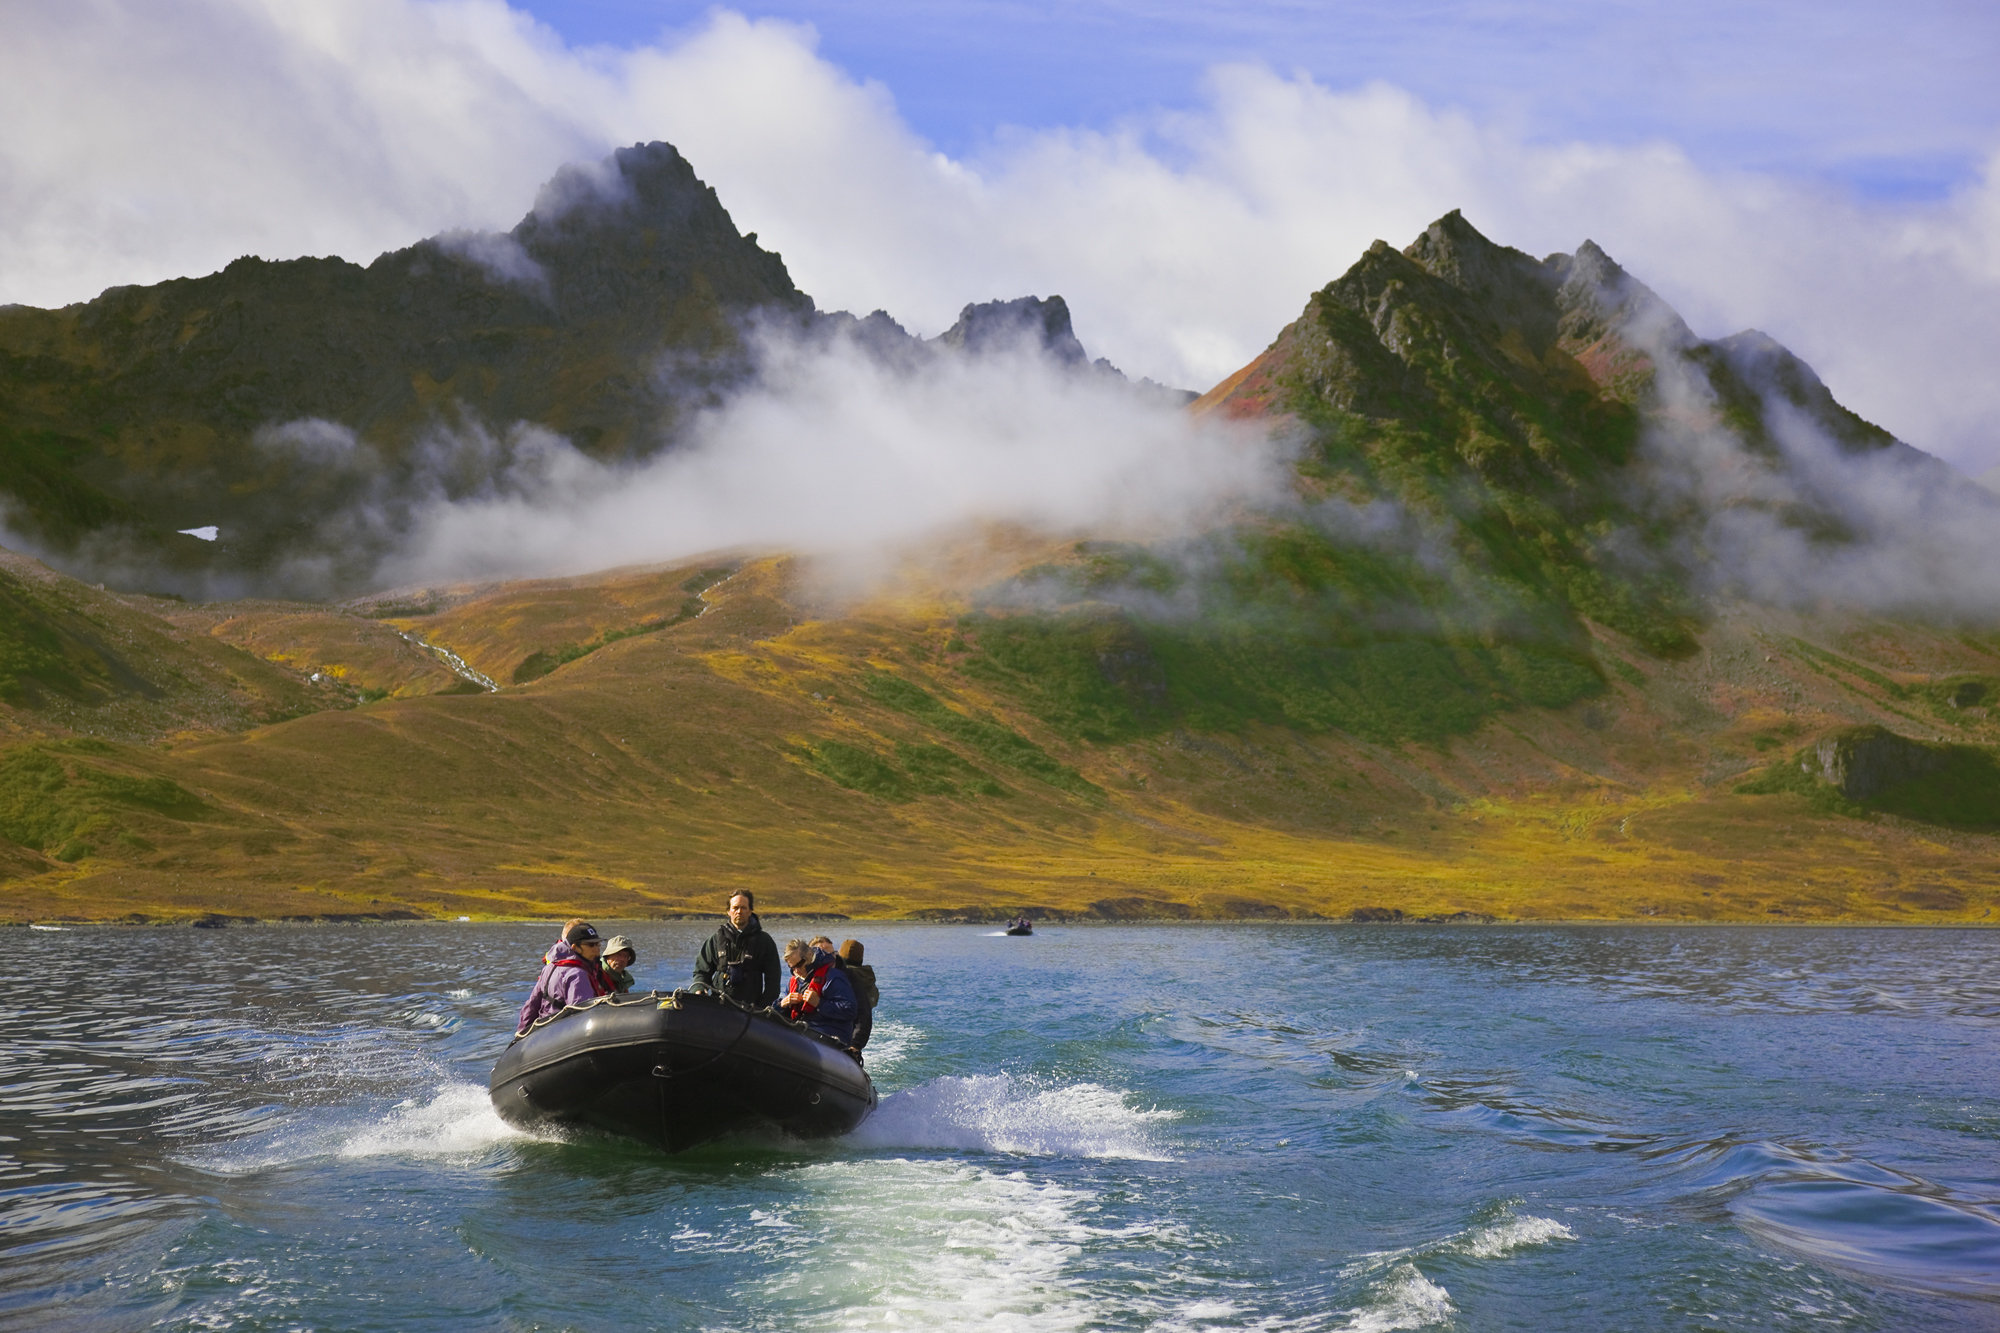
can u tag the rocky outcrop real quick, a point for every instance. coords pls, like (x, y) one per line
(1862, 763)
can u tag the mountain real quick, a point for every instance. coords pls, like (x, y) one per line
(270, 430)
(1501, 652)
(263, 398)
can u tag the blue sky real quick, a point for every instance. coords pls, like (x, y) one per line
(1890, 100)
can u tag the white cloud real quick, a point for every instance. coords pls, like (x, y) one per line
(839, 453)
(145, 141)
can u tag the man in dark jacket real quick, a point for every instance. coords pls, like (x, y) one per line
(740, 960)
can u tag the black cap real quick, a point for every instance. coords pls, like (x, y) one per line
(581, 933)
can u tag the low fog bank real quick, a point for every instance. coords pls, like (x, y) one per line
(834, 450)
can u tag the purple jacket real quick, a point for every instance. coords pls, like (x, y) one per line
(556, 987)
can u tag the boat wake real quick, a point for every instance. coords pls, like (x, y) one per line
(1002, 1113)
(456, 1120)
(890, 1043)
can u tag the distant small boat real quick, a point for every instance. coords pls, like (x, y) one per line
(1020, 925)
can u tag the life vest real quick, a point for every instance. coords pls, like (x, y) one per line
(739, 968)
(595, 974)
(815, 984)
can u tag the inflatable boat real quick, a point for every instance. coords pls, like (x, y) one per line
(677, 1069)
(1020, 926)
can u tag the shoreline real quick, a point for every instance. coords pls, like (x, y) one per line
(219, 921)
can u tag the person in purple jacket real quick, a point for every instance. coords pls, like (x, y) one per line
(571, 976)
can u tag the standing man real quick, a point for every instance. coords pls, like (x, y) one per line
(740, 960)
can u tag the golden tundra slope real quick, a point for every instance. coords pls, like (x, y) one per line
(652, 758)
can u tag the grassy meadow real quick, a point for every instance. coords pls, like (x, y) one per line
(907, 754)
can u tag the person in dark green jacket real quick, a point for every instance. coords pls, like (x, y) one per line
(866, 993)
(740, 960)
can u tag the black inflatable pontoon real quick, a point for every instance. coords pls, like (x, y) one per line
(674, 1070)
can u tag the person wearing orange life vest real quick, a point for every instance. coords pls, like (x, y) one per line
(571, 976)
(819, 996)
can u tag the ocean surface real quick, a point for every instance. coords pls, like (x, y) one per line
(1297, 1127)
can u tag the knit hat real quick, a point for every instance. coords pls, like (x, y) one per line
(850, 952)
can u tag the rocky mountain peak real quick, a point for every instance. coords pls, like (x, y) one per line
(1028, 321)
(635, 228)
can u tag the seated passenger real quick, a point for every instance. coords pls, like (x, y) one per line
(571, 976)
(820, 996)
(619, 955)
(866, 994)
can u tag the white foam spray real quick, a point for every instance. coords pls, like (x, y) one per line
(457, 1120)
(1005, 1114)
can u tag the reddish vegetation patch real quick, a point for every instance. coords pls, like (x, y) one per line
(1248, 393)
(1611, 359)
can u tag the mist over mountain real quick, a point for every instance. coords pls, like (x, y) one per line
(1569, 428)
(624, 377)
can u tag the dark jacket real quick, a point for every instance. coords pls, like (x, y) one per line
(743, 965)
(866, 995)
(621, 979)
(836, 1011)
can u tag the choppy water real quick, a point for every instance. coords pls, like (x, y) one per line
(1171, 1128)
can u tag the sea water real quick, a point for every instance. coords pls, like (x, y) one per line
(1285, 1127)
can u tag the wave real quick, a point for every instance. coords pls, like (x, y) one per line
(457, 1120)
(1501, 1232)
(1406, 1299)
(1401, 1296)
(1006, 1114)
(1848, 1212)
(1509, 1233)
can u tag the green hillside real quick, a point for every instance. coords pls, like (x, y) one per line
(878, 762)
